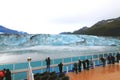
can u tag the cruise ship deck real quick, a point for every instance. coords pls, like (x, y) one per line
(109, 72)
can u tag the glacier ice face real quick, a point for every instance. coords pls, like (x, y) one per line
(56, 40)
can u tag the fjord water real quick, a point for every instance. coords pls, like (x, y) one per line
(16, 48)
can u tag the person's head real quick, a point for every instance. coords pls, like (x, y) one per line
(7, 70)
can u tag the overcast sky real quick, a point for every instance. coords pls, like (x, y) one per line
(55, 16)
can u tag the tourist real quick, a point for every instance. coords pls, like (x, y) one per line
(79, 65)
(75, 67)
(103, 61)
(91, 63)
(118, 57)
(113, 60)
(84, 64)
(48, 64)
(8, 74)
(60, 67)
(2, 74)
(109, 58)
(87, 62)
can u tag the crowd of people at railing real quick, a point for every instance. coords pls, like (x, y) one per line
(83, 64)
(5, 74)
(78, 66)
(87, 64)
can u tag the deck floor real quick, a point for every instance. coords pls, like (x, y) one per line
(109, 72)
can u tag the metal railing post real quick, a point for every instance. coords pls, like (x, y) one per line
(30, 74)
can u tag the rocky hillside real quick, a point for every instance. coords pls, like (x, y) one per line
(110, 27)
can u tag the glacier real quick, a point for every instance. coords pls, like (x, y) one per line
(8, 40)
(16, 48)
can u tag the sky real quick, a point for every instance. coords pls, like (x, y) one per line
(55, 16)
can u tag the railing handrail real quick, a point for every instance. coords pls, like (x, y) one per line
(44, 67)
(98, 52)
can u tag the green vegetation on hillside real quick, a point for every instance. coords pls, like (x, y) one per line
(109, 27)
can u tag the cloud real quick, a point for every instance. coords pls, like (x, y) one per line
(53, 16)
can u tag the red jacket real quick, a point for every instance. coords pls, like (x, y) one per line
(2, 74)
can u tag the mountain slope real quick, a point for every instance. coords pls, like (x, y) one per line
(9, 31)
(110, 27)
(81, 31)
